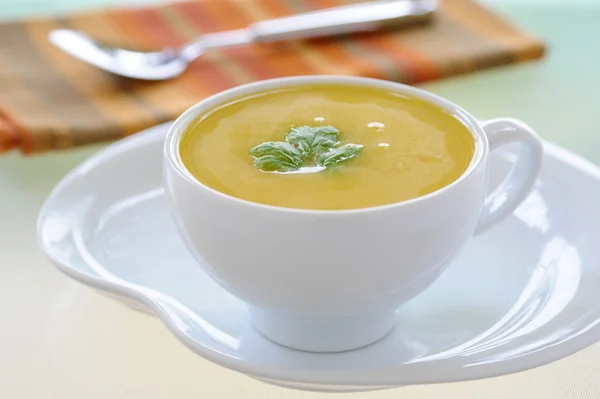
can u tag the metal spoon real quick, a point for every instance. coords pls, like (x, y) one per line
(171, 62)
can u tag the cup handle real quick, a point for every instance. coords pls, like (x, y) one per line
(520, 179)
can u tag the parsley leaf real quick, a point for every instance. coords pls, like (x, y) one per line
(313, 140)
(276, 156)
(339, 154)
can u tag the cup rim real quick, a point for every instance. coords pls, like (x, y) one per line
(172, 155)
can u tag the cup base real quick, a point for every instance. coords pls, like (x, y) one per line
(312, 334)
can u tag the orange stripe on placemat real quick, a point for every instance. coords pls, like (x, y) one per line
(444, 43)
(264, 61)
(150, 96)
(235, 72)
(473, 16)
(12, 136)
(122, 112)
(419, 66)
(463, 51)
(12, 133)
(172, 96)
(340, 53)
(37, 91)
(132, 112)
(208, 78)
(201, 18)
(389, 44)
(309, 53)
(80, 115)
(257, 57)
(347, 48)
(384, 66)
(326, 56)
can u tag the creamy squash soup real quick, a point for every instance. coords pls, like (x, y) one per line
(327, 147)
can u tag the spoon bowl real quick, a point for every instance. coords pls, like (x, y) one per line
(155, 65)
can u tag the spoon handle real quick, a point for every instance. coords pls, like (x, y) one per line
(363, 17)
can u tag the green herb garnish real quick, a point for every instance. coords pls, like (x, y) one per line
(276, 155)
(339, 154)
(313, 140)
(304, 146)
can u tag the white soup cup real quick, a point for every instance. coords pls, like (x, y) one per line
(329, 281)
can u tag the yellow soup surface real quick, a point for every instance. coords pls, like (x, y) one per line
(410, 147)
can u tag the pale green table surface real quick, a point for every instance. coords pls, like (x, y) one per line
(60, 340)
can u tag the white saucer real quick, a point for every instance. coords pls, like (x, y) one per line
(522, 295)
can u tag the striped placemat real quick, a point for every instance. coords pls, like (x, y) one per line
(49, 100)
